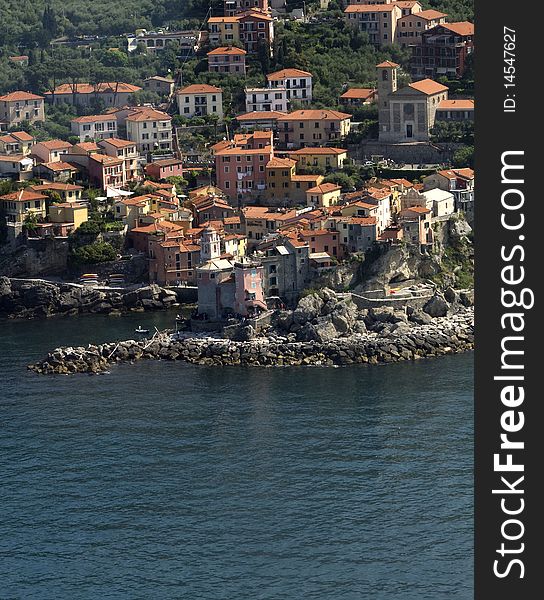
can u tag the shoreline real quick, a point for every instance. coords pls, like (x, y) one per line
(444, 335)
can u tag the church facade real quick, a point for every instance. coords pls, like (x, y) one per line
(406, 114)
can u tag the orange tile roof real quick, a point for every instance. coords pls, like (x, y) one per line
(460, 28)
(364, 8)
(318, 151)
(453, 173)
(59, 166)
(93, 118)
(223, 20)
(106, 160)
(387, 63)
(148, 114)
(324, 188)
(255, 14)
(277, 162)
(456, 105)
(271, 115)
(23, 196)
(227, 50)
(55, 144)
(428, 87)
(287, 73)
(19, 96)
(200, 88)
(63, 187)
(415, 209)
(429, 15)
(87, 146)
(309, 178)
(101, 88)
(359, 93)
(18, 136)
(118, 143)
(11, 157)
(314, 115)
(363, 220)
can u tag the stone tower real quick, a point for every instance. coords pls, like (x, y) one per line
(210, 245)
(387, 85)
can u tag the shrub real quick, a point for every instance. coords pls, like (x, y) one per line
(98, 252)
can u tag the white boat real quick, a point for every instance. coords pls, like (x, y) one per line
(140, 329)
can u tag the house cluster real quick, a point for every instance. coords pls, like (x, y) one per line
(269, 221)
(438, 48)
(241, 256)
(245, 24)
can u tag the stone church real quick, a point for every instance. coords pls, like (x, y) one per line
(406, 114)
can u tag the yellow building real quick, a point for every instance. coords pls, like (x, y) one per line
(68, 192)
(69, 212)
(132, 210)
(18, 205)
(325, 194)
(235, 244)
(325, 158)
(303, 128)
(284, 186)
(224, 31)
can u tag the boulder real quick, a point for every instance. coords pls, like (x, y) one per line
(450, 295)
(285, 320)
(341, 323)
(327, 295)
(150, 292)
(467, 298)
(420, 318)
(325, 332)
(308, 308)
(436, 306)
(383, 314)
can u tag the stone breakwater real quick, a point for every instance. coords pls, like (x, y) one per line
(24, 299)
(445, 335)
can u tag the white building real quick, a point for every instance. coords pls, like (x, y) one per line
(199, 100)
(266, 99)
(299, 84)
(94, 127)
(150, 129)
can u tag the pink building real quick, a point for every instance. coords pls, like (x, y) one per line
(240, 165)
(322, 240)
(249, 294)
(161, 169)
(227, 59)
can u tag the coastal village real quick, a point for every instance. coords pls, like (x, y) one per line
(231, 181)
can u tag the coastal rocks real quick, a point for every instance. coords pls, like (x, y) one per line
(436, 306)
(400, 341)
(308, 309)
(36, 298)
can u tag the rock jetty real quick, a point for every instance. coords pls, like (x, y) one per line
(372, 337)
(28, 299)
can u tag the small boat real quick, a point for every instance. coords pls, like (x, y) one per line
(140, 329)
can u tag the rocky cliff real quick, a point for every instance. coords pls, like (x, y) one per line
(32, 299)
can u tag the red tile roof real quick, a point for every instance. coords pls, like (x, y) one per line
(359, 93)
(101, 88)
(227, 50)
(198, 88)
(287, 73)
(19, 96)
(315, 115)
(428, 87)
(456, 105)
(460, 28)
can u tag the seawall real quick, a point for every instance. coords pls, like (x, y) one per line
(444, 335)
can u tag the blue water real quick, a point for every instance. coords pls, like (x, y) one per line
(165, 480)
